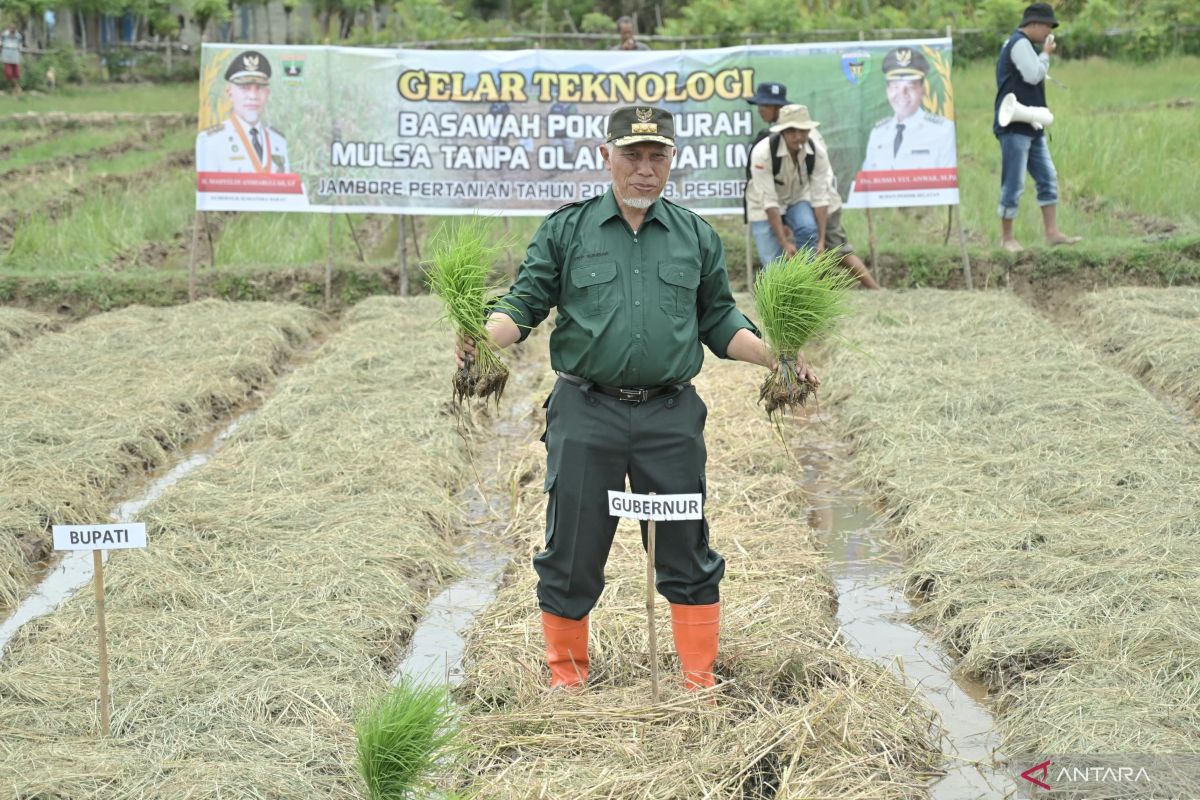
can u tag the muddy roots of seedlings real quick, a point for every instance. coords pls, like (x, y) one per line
(784, 389)
(480, 379)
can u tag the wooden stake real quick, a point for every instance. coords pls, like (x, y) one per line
(650, 609)
(871, 243)
(403, 249)
(962, 245)
(102, 637)
(212, 248)
(354, 235)
(192, 257)
(329, 264)
(749, 261)
(512, 268)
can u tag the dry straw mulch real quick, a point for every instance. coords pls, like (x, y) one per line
(111, 397)
(280, 580)
(796, 716)
(18, 326)
(1051, 509)
(1153, 333)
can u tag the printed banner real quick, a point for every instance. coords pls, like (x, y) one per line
(328, 129)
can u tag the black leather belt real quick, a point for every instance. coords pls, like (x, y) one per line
(628, 394)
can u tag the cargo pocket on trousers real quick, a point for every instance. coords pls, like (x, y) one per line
(551, 510)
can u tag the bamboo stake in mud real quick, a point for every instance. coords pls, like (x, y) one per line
(650, 608)
(354, 235)
(329, 264)
(102, 636)
(192, 257)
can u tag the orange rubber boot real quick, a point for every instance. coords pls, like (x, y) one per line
(697, 630)
(566, 650)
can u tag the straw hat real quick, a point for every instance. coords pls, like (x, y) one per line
(794, 116)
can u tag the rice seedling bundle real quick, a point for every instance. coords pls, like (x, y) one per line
(1153, 333)
(798, 716)
(1050, 506)
(401, 736)
(798, 300)
(107, 399)
(18, 326)
(282, 582)
(460, 275)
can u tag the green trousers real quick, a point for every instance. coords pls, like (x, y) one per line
(593, 442)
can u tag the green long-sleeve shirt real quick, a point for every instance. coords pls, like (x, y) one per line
(633, 309)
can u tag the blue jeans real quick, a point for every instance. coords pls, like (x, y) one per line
(799, 217)
(1019, 153)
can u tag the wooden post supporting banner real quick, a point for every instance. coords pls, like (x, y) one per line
(329, 265)
(212, 248)
(354, 235)
(512, 267)
(749, 261)
(403, 249)
(192, 257)
(650, 608)
(102, 637)
(962, 244)
(871, 243)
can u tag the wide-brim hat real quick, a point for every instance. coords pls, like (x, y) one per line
(1039, 12)
(769, 94)
(632, 124)
(794, 116)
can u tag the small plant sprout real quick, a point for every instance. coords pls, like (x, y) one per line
(798, 300)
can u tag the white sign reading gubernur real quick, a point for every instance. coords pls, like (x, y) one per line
(655, 506)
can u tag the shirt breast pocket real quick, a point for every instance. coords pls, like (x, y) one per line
(678, 282)
(596, 288)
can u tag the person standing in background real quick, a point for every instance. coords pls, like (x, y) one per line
(1022, 72)
(11, 42)
(628, 36)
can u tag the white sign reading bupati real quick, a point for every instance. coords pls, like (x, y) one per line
(122, 536)
(655, 506)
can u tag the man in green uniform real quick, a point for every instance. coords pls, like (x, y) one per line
(640, 284)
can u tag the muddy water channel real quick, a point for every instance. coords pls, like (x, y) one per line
(73, 571)
(434, 654)
(873, 612)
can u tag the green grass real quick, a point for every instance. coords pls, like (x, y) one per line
(270, 238)
(67, 144)
(177, 97)
(400, 739)
(103, 225)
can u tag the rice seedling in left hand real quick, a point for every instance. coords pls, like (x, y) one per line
(798, 300)
(401, 738)
(462, 262)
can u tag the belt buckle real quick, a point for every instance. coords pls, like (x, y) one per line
(634, 395)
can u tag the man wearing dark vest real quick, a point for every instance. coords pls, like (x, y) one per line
(641, 290)
(1023, 146)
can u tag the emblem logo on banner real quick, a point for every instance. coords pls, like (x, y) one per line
(855, 66)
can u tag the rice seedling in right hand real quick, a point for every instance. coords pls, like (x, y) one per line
(401, 738)
(462, 262)
(799, 299)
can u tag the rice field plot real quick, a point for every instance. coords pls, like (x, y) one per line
(1050, 508)
(18, 326)
(82, 144)
(1152, 333)
(111, 220)
(281, 580)
(109, 398)
(796, 716)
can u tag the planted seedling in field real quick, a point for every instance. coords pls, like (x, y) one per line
(462, 263)
(799, 299)
(401, 737)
